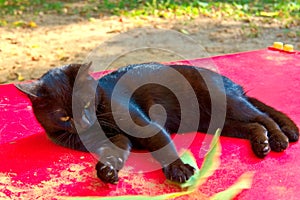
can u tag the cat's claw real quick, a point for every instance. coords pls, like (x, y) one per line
(107, 173)
(178, 171)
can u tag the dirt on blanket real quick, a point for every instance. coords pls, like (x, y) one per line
(27, 51)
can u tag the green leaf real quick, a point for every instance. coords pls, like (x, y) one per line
(210, 163)
(188, 158)
(243, 182)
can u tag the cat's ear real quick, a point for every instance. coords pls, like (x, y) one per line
(72, 70)
(84, 70)
(86, 67)
(31, 89)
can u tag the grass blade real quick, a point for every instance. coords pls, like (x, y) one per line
(243, 182)
(210, 163)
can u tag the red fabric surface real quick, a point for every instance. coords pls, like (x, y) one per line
(31, 166)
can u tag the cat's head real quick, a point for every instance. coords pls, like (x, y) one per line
(51, 97)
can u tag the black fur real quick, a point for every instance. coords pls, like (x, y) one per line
(245, 117)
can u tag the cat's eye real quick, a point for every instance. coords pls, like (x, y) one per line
(65, 119)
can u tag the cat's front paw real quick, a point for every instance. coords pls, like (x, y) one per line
(178, 171)
(107, 173)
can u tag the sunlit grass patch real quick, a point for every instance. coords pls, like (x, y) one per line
(160, 8)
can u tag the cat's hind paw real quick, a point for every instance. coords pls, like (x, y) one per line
(292, 132)
(260, 141)
(278, 141)
(178, 171)
(107, 173)
(261, 148)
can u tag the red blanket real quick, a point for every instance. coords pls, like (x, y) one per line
(31, 166)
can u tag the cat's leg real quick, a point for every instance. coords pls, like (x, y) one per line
(149, 135)
(162, 148)
(287, 126)
(256, 133)
(112, 155)
(241, 109)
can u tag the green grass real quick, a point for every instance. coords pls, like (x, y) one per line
(240, 9)
(18, 7)
(236, 9)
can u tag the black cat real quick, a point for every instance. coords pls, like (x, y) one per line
(245, 117)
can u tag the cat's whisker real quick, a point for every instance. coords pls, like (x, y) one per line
(63, 139)
(75, 141)
(56, 111)
(106, 123)
(70, 140)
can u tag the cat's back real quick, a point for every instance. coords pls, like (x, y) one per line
(150, 72)
(134, 76)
